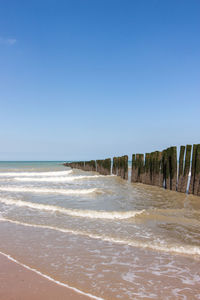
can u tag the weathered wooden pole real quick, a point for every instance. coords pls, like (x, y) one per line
(107, 166)
(126, 167)
(133, 169)
(147, 169)
(173, 168)
(116, 165)
(186, 169)
(195, 174)
(93, 165)
(165, 169)
(154, 167)
(119, 166)
(103, 166)
(157, 168)
(122, 167)
(197, 171)
(141, 164)
(160, 175)
(161, 169)
(181, 165)
(98, 162)
(114, 168)
(192, 170)
(137, 167)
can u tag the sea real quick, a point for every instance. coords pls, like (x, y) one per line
(100, 235)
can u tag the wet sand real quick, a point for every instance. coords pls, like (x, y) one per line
(19, 283)
(99, 234)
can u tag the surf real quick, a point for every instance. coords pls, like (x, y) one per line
(49, 191)
(57, 178)
(35, 174)
(91, 214)
(170, 248)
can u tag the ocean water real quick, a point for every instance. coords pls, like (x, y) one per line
(101, 235)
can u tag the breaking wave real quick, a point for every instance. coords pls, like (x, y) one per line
(57, 179)
(34, 174)
(92, 214)
(185, 250)
(49, 191)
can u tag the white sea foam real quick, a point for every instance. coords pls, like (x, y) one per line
(46, 190)
(184, 250)
(35, 174)
(50, 278)
(57, 178)
(92, 214)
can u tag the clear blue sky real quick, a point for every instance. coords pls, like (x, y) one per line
(84, 79)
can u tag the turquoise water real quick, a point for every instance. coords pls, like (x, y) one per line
(30, 165)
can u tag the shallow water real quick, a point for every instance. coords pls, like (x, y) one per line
(101, 234)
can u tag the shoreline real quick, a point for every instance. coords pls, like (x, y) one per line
(19, 282)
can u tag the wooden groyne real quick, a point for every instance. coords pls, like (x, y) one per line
(120, 166)
(159, 168)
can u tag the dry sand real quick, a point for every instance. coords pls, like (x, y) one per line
(19, 283)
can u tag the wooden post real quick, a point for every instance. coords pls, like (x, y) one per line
(151, 169)
(154, 167)
(160, 175)
(133, 169)
(165, 169)
(186, 169)
(197, 171)
(117, 165)
(137, 167)
(104, 166)
(191, 187)
(141, 167)
(173, 168)
(158, 156)
(126, 167)
(180, 172)
(120, 166)
(162, 170)
(98, 166)
(114, 168)
(107, 166)
(147, 169)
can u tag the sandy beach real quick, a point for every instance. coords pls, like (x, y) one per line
(19, 283)
(72, 234)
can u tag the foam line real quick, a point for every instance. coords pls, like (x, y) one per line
(92, 214)
(50, 278)
(46, 190)
(29, 174)
(184, 250)
(58, 178)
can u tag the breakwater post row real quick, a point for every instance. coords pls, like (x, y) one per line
(159, 168)
(120, 166)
